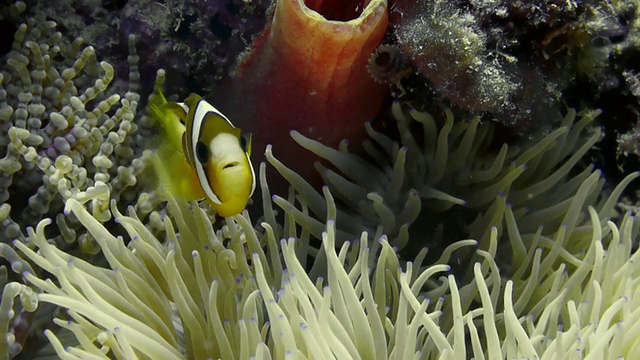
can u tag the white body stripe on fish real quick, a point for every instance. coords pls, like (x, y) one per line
(199, 115)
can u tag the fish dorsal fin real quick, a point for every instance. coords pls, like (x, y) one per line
(185, 150)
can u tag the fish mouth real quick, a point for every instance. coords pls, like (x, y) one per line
(338, 10)
(230, 165)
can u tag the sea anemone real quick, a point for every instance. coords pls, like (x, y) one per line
(63, 128)
(387, 64)
(208, 293)
(447, 181)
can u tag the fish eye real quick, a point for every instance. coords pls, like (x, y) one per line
(202, 152)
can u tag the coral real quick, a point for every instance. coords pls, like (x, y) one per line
(196, 42)
(516, 59)
(13, 10)
(629, 142)
(307, 71)
(632, 80)
(448, 47)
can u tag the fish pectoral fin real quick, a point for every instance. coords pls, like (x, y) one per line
(175, 175)
(170, 123)
(178, 110)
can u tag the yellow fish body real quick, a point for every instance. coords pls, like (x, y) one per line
(202, 155)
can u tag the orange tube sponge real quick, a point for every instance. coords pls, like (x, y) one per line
(307, 72)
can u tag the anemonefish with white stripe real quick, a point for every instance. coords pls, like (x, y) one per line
(202, 154)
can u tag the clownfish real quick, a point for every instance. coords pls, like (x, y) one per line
(202, 155)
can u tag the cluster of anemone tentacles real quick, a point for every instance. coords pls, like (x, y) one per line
(450, 182)
(65, 125)
(238, 291)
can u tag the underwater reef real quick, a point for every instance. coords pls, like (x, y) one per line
(469, 189)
